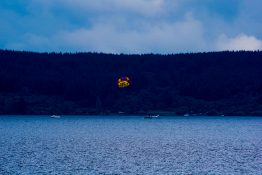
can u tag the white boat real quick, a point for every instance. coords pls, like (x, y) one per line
(55, 116)
(151, 116)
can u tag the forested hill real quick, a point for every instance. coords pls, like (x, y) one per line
(217, 83)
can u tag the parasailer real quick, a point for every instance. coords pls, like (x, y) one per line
(123, 82)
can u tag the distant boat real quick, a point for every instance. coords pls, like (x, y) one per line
(55, 116)
(186, 115)
(151, 116)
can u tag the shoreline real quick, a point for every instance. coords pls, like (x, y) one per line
(115, 115)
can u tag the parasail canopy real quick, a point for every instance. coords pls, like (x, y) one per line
(123, 82)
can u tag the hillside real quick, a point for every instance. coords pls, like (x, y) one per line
(216, 83)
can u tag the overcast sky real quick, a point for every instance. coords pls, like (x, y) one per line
(131, 26)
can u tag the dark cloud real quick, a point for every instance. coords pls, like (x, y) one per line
(131, 26)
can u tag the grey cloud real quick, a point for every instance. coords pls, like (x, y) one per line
(108, 37)
(240, 42)
(133, 26)
(143, 7)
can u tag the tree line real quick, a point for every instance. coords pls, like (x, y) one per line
(213, 83)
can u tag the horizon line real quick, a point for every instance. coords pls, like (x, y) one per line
(129, 54)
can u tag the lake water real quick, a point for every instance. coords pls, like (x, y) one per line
(130, 145)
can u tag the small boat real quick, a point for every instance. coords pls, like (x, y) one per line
(151, 116)
(55, 116)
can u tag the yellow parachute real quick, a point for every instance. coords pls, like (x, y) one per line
(123, 82)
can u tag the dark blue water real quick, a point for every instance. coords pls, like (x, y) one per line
(130, 145)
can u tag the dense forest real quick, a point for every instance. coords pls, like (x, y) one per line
(214, 83)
